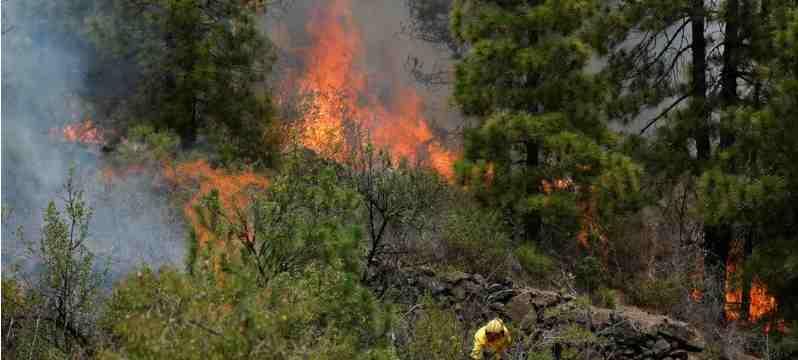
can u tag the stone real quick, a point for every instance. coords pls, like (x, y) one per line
(661, 346)
(528, 323)
(479, 279)
(502, 295)
(535, 314)
(601, 318)
(459, 293)
(544, 299)
(519, 306)
(455, 277)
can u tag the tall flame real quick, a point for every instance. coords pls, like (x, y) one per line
(332, 67)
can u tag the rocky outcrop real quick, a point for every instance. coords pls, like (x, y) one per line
(554, 323)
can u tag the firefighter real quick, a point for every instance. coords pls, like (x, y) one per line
(493, 337)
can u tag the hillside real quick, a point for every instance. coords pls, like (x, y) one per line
(414, 179)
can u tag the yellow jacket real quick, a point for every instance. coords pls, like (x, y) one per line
(497, 346)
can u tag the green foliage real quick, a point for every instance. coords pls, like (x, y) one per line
(533, 261)
(475, 240)
(437, 334)
(574, 340)
(400, 203)
(726, 197)
(54, 315)
(307, 215)
(318, 312)
(753, 182)
(660, 294)
(590, 273)
(145, 144)
(196, 66)
(540, 116)
(606, 298)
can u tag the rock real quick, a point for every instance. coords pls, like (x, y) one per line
(459, 293)
(541, 315)
(455, 277)
(479, 279)
(502, 296)
(600, 318)
(528, 323)
(661, 346)
(544, 299)
(519, 306)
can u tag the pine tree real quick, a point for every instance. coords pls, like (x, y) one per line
(753, 184)
(196, 67)
(541, 145)
(695, 85)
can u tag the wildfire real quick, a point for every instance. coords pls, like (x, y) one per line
(231, 186)
(587, 208)
(84, 132)
(332, 66)
(110, 174)
(761, 302)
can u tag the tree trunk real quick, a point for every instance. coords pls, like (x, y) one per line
(532, 221)
(699, 78)
(748, 248)
(731, 61)
(729, 98)
(715, 236)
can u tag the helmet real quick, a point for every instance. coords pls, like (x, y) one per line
(495, 326)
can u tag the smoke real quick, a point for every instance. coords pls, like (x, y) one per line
(44, 73)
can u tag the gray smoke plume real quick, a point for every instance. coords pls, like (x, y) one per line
(43, 77)
(44, 74)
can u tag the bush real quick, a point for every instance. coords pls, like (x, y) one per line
(590, 273)
(607, 298)
(659, 294)
(436, 334)
(145, 144)
(475, 240)
(53, 315)
(533, 262)
(320, 312)
(301, 219)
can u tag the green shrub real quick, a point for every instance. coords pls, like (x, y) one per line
(436, 334)
(658, 294)
(533, 262)
(475, 240)
(607, 298)
(590, 273)
(320, 313)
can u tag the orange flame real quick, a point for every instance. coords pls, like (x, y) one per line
(109, 174)
(83, 132)
(761, 302)
(588, 224)
(331, 66)
(231, 186)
